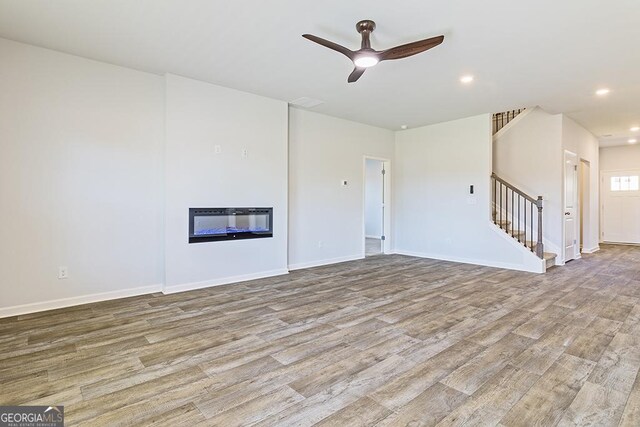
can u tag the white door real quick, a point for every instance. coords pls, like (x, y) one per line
(570, 206)
(620, 206)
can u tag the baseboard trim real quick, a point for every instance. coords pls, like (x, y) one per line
(483, 263)
(184, 287)
(79, 300)
(329, 261)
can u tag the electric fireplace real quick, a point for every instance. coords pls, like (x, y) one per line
(213, 224)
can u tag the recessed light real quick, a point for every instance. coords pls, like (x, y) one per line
(403, 127)
(466, 79)
(603, 92)
(635, 129)
(632, 141)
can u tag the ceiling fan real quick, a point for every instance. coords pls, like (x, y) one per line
(367, 57)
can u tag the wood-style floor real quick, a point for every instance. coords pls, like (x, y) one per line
(387, 341)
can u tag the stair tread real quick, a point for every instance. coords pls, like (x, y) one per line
(547, 256)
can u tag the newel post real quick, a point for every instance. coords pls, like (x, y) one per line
(539, 245)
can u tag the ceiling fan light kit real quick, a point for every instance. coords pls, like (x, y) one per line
(367, 57)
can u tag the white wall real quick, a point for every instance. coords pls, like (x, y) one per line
(373, 198)
(435, 216)
(198, 117)
(81, 148)
(528, 154)
(620, 158)
(88, 181)
(326, 220)
(580, 141)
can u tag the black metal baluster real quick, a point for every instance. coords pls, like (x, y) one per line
(524, 209)
(506, 209)
(495, 209)
(512, 211)
(501, 205)
(519, 216)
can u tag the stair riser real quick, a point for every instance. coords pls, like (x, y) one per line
(521, 237)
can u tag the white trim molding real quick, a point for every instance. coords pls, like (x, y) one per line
(302, 265)
(590, 250)
(78, 300)
(479, 263)
(184, 287)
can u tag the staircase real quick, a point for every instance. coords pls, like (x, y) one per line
(520, 216)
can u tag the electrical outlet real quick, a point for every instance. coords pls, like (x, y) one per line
(245, 153)
(217, 149)
(63, 272)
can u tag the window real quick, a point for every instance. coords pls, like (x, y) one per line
(625, 183)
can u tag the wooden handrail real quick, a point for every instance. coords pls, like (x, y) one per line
(524, 204)
(515, 189)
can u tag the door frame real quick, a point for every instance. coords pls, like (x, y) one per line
(584, 203)
(386, 247)
(576, 231)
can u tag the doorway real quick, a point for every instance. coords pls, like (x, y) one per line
(570, 223)
(621, 206)
(376, 215)
(585, 204)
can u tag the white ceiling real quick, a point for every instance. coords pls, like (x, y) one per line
(552, 53)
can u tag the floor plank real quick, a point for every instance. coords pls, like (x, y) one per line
(388, 340)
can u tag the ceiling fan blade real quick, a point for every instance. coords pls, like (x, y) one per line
(331, 45)
(410, 49)
(355, 74)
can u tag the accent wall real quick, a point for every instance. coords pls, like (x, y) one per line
(224, 148)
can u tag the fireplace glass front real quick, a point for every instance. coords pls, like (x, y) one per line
(212, 224)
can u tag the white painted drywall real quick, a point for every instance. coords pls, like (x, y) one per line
(435, 216)
(325, 218)
(578, 140)
(620, 158)
(200, 116)
(373, 198)
(529, 156)
(81, 149)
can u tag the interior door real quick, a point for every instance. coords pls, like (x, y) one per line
(620, 206)
(570, 206)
